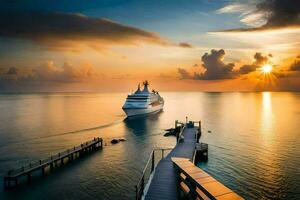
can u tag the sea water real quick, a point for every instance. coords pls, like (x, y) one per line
(253, 141)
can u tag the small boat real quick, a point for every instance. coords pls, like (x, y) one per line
(143, 102)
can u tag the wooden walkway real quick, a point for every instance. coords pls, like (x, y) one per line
(166, 184)
(163, 184)
(194, 183)
(11, 179)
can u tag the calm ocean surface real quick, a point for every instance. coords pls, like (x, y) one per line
(254, 144)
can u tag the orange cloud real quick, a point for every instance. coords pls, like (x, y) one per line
(49, 72)
(259, 61)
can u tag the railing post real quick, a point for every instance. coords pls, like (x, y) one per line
(200, 126)
(153, 161)
(143, 184)
(136, 193)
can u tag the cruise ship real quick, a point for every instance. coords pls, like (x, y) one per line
(143, 102)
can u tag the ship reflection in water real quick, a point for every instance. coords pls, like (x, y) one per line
(139, 125)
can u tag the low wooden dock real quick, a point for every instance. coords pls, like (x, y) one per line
(163, 183)
(11, 179)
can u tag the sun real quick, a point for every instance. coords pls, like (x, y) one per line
(267, 68)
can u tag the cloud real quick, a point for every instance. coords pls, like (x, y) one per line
(295, 66)
(215, 66)
(185, 45)
(69, 31)
(184, 74)
(235, 8)
(266, 14)
(49, 72)
(10, 74)
(67, 73)
(259, 61)
(12, 71)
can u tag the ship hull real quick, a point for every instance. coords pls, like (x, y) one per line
(142, 111)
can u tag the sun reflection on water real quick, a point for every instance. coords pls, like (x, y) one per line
(266, 120)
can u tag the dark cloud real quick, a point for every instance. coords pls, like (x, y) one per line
(185, 45)
(245, 69)
(184, 74)
(295, 66)
(280, 12)
(57, 30)
(215, 66)
(275, 13)
(259, 61)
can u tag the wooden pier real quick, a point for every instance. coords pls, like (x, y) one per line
(163, 182)
(11, 179)
(194, 183)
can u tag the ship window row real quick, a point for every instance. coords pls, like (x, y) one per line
(137, 100)
(138, 97)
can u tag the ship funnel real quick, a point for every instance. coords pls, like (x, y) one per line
(145, 83)
(138, 89)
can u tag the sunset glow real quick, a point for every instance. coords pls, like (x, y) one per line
(267, 68)
(126, 96)
(97, 47)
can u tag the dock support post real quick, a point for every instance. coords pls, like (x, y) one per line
(5, 183)
(16, 182)
(153, 161)
(28, 177)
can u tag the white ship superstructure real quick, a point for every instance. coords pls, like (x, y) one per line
(143, 102)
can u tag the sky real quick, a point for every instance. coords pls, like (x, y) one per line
(177, 45)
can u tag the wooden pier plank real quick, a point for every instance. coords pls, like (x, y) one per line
(204, 182)
(163, 184)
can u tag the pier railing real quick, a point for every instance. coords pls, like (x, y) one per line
(156, 155)
(179, 135)
(195, 183)
(60, 155)
(188, 124)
